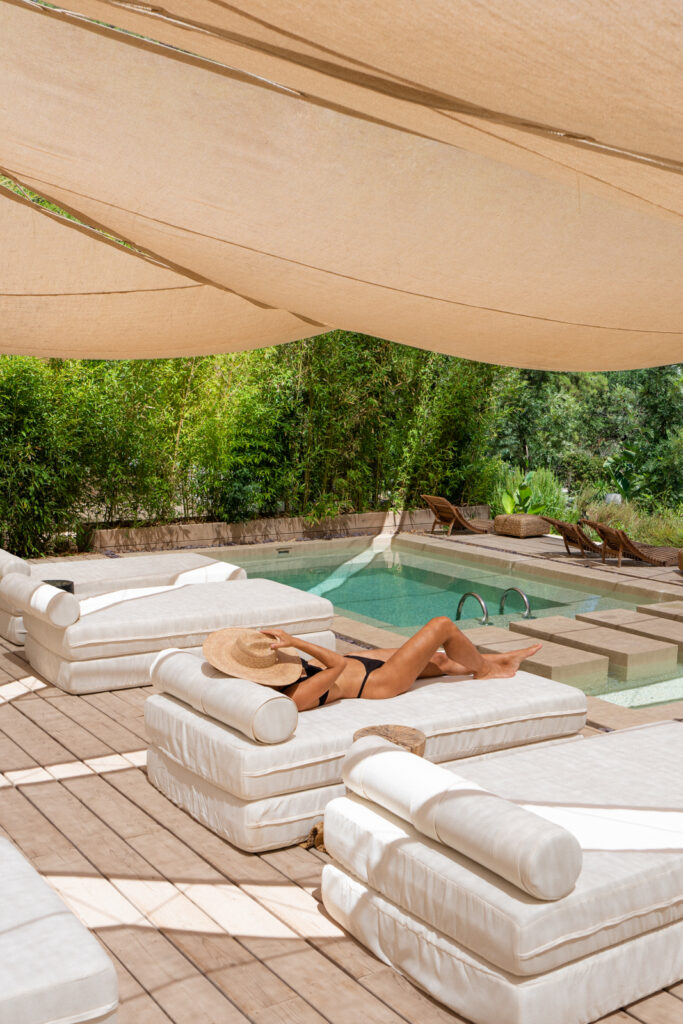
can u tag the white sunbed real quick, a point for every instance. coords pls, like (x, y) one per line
(110, 641)
(541, 885)
(242, 760)
(52, 970)
(94, 576)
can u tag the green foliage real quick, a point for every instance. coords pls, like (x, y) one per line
(337, 423)
(537, 492)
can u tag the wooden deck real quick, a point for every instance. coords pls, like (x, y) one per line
(198, 930)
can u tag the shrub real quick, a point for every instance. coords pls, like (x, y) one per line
(540, 491)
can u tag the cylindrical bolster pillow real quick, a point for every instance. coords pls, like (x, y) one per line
(25, 595)
(12, 563)
(258, 712)
(538, 856)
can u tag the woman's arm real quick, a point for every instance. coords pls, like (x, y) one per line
(330, 659)
(307, 693)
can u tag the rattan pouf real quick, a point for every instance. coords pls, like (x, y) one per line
(520, 525)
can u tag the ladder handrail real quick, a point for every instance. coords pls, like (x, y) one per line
(516, 590)
(482, 602)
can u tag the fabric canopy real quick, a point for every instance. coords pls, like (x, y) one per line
(64, 291)
(404, 171)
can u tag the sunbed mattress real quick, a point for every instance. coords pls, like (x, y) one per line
(252, 825)
(459, 718)
(52, 971)
(93, 576)
(621, 891)
(580, 991)
(183, 617)
(116, 673)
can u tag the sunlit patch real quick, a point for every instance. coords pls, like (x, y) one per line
(25, 776)
(236, 912)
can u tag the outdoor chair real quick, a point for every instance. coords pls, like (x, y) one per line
(450, 516)
(621, 544)
(535, 886)
(574, 536)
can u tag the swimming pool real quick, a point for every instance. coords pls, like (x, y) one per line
(385, 584)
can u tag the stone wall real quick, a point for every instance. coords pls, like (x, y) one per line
(258, 531)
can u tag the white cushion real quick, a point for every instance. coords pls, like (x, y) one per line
(93, 576)
(538, 856)
(619, 894)
(259, 712)
(459, 718)
(12, 563)
(572, 994)
(47, 605)
(252, 825)
(183, 617)
(52, 970)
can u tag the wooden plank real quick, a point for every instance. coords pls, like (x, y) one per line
(677, 990)
(662, 1008)
(48, 715)
(12, 756)
(30, 737)
(136, 1006)
(90, 718)
(286, 955)
(234, 864)
(287, 903)
(119, 711)
(162, 970)
(182, 992)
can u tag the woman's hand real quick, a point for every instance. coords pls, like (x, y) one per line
(281, 638)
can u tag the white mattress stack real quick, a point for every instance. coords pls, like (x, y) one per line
(243, 762)
(540, 885)
(110, 641)
(94, 576)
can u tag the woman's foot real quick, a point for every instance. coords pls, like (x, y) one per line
(501, 666)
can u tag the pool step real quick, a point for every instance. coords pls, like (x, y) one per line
(665, 610)
(553, 661)
(640, 623)
(631, 657)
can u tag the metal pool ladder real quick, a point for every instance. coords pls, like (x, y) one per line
(516, 590)
(482, 602)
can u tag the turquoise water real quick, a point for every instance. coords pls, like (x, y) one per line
(401, 590)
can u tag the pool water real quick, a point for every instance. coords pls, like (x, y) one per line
(398, 589)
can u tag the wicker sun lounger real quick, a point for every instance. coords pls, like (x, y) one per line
(450, 516)
(574, 536)
(622, 545)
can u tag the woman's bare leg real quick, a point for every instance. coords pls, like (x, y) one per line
(420, 656)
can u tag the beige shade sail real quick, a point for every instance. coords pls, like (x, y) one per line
(604, 73)
(463, 228)
(67, 292)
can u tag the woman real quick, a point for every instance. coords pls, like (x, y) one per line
(386, 672)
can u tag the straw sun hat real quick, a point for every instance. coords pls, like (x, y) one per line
(247, 654)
